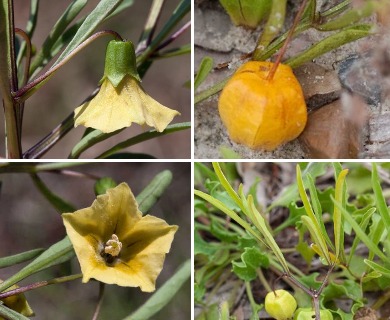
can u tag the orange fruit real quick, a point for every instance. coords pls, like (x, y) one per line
(262, 113)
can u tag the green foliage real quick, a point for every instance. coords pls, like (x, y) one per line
(21, 73)
(59, 254)
(339, 223)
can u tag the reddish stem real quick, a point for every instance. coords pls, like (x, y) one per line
(287, 41)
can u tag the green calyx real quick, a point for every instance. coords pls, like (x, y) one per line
(120, 61)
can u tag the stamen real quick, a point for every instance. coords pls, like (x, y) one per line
(113, 246)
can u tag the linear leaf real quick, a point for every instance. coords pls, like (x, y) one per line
(225, 183)
(144, 137)
(102, 10)
(44, 54)
(58, 253)
(379, 198)
(19, 258)
(363, 225)
(317, 239)
(57, 202)
(163, 295)
(337, 217)
(10, 314)
(361, 234)
(377, 267)
(153, 191)
(313, 226)
(219, 205)
(206, 65)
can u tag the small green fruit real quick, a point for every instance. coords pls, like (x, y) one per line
(280, 304)
(309, 314)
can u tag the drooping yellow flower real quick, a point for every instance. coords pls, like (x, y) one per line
(121, 99)
(17, 303)
(115, 244)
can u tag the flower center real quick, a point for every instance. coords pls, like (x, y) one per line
(113, 246)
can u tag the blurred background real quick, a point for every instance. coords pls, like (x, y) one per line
(28, 221)
(67, 89)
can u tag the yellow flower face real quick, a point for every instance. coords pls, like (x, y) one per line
(115, 244)
(116, 108)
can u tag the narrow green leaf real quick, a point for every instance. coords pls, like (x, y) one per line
(144, 137)
(377, 267)
(361, 234)
(337, 217)
(363, 225)
(181, 10)
(352, 16)
(151, 22)
(330, 43)
(317, 239)
(10, 314)
(206, 65)
(123, 6)
(205, 171)
(44, 54)
(57, 202)
(101, 11)
(313, 225)
(269, 239)
(19, 258)
(291, 193)
(219, 205)
(153, 191)
(225, 183)
(163, 295)
(58, 253)
(318, 209)
(379, 198)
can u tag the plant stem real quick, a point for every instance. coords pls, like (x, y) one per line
(263, 280)
(26, 91)
(8, 79)
(287, 41)
(39, 284)
(250, 297)
(100, 300)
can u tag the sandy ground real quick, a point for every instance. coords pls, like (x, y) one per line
(217, 37)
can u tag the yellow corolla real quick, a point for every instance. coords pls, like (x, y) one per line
(115, 244)
(262, 113)
(121, 99)
(17, 302)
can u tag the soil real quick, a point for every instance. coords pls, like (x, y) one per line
(217, 37)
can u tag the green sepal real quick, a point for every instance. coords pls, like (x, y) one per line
(120, 61)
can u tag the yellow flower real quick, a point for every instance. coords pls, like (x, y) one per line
(121, 99)
(116, 108)
(17, 302)
(115, 244)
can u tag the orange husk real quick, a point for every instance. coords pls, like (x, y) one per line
(262, 113)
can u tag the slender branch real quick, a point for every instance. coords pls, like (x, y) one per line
(39, 284)
(8, 79)
(26, 70)
(287, 41)
(150, 25)
(100, 300)
(27, 90)
(26, 38)
(174, 36)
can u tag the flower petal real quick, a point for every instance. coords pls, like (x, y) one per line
(116, 108)
(113, 212)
